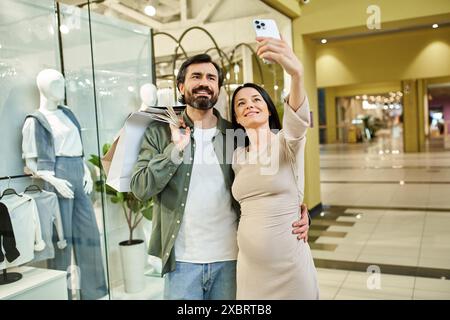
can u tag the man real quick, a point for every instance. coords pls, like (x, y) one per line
(189, 174)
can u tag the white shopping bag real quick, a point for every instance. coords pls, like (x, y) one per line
(127, 150)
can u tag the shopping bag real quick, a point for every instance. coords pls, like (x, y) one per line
(122, 157)
(107, 158)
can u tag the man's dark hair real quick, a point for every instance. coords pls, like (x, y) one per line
(200, 58)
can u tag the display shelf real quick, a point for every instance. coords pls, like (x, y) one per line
(36, 284)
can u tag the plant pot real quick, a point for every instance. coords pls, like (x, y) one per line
(133, 261)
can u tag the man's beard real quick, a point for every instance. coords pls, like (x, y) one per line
(202, 102)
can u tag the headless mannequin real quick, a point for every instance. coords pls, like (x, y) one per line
(51, 87)
(71, 179)
(149, 96)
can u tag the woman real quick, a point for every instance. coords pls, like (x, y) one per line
(269, 172)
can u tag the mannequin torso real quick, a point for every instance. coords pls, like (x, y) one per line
(67, 140)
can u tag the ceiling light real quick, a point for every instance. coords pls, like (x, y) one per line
(0, 46)
(150, 11)
(324, 41)
(131, 89)
(435, 26)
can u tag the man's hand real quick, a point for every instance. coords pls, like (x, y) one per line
(301, 227)
(180, 139)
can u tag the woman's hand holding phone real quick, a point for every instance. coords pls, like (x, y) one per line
(277, 50)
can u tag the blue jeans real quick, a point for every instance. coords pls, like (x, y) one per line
(81, 232)
(197, 281)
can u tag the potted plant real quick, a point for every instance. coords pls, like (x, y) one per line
(132, 251)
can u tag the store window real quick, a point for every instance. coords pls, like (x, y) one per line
(71, 72)
(367, 118)
(97, 65)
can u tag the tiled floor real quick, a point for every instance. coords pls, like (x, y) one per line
(350, 285)
(372, 220)
(399, 205)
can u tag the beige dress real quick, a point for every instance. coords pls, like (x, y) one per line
(272, 263)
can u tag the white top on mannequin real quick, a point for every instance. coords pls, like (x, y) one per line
(51, 85)
(149, 96)
(66, 135)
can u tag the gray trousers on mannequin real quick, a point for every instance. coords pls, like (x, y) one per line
(81, 232)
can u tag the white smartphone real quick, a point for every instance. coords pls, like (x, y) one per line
(266, 28)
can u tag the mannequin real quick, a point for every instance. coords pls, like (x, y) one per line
(53, 151)
(149, 96)
(51, 86)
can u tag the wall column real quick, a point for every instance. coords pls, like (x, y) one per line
(330, 111)
(305, 49)
(412, 116)
(422, 102)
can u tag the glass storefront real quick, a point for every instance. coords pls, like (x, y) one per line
(104, 60)
(363, 118)
(101, 89)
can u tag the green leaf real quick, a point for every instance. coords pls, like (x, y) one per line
(148, 213)
(99, 186)
(120, 196)
(95, 160)
(106, 148)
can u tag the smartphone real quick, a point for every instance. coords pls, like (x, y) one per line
(266, 28)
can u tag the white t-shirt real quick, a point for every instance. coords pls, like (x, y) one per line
(208, 232)
(26, 226)
(65, 135)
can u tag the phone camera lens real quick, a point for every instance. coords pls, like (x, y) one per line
(258, 27)
(257, 22)
(263, 24)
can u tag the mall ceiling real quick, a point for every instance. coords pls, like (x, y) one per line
(174, 14)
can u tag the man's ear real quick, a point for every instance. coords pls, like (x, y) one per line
(181, 88)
